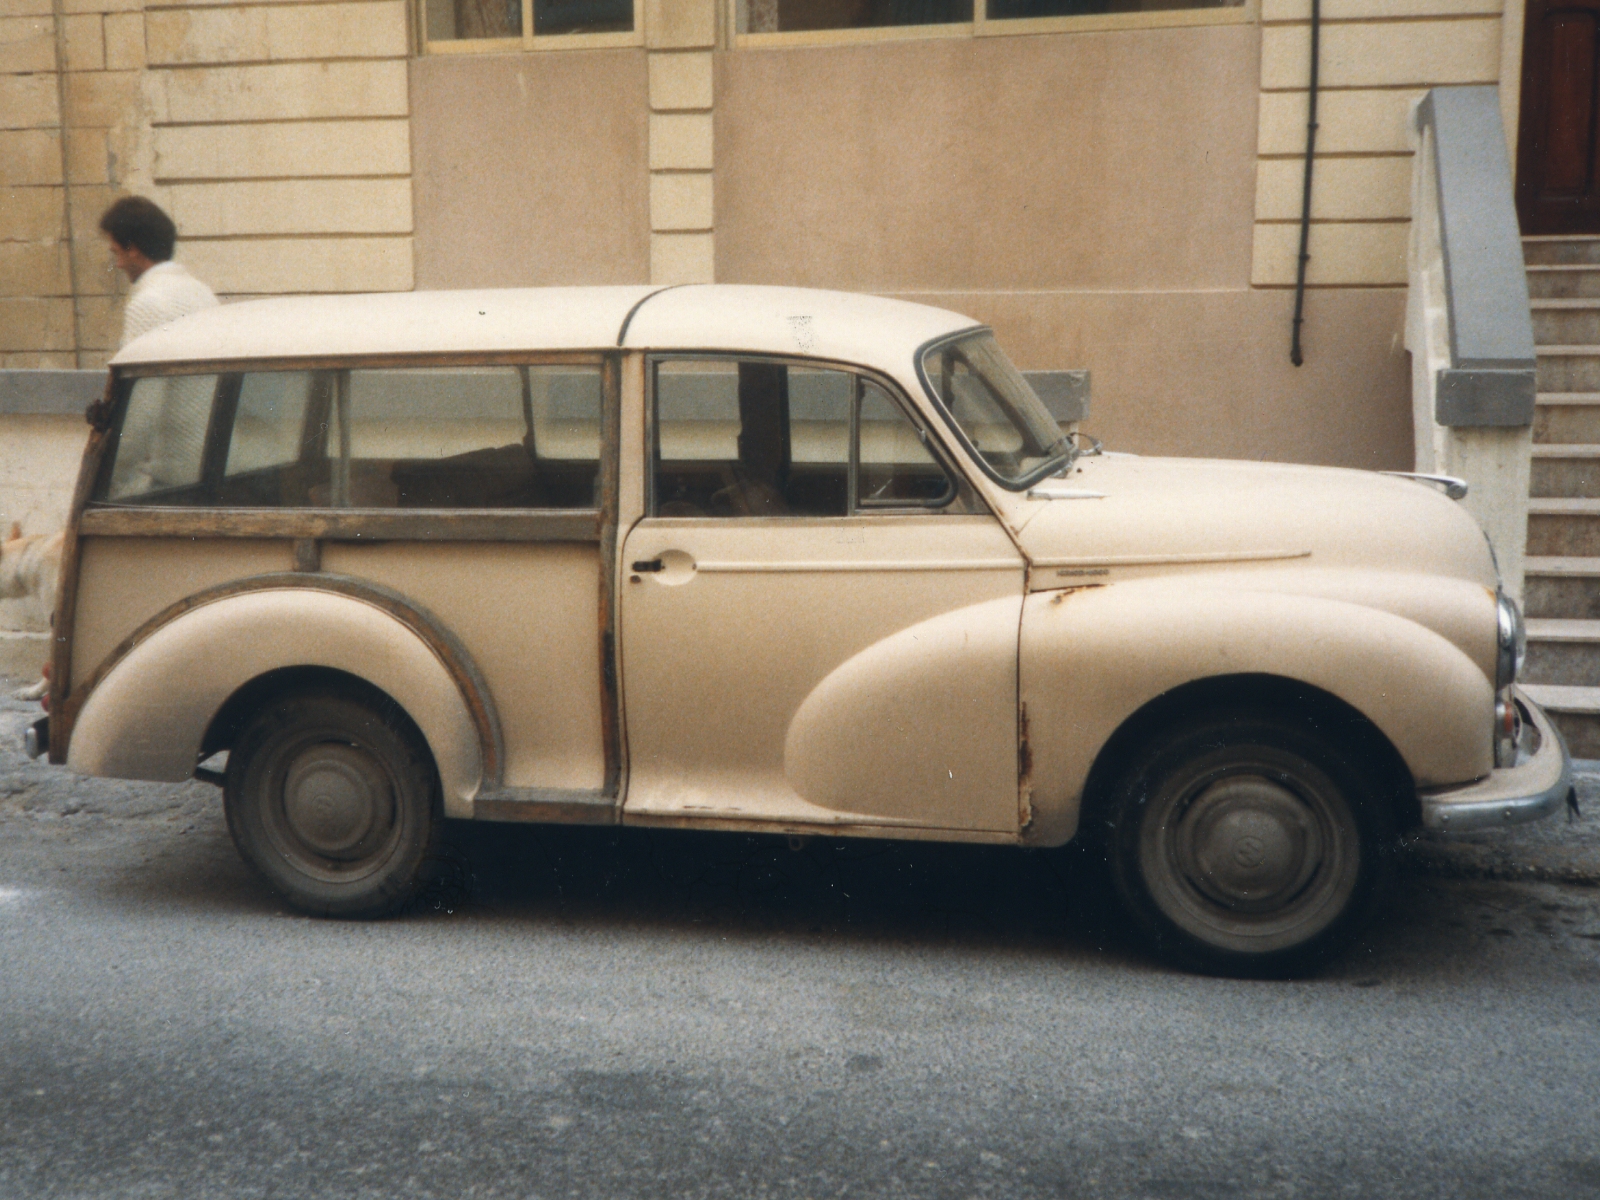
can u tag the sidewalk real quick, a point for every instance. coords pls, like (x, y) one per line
(1561, 849)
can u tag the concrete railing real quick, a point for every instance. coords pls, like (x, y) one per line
(1468, 324)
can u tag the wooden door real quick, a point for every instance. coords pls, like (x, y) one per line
(1557, 186)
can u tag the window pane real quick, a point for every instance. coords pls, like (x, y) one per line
(896, 468)
(470, 438)
(783, 16)
(449, 20)
(582, 16)
(1000, 10)
(750, 439)
(161, 441)
(263, 468)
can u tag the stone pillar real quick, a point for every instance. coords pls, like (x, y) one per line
(680, 36)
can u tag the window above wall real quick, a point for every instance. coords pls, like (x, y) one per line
(471, 26)
(763, 22)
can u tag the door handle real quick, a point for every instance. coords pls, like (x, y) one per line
(649, 566)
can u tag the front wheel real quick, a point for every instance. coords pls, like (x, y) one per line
(333, 799)
(1246, 844)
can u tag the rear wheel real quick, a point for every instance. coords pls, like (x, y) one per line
(1247, 844)
(333, 799)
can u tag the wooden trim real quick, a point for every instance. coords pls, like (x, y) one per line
(345, 525)
(610, 498)
(357, 362)
(454, 656)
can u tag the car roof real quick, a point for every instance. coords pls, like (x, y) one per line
(806, 322)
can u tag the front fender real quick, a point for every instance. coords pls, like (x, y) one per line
(1092, 658)
(146, 716)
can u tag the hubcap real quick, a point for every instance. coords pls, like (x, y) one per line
(1248, 843)
(337, 800)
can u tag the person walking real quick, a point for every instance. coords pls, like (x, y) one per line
(142, 238)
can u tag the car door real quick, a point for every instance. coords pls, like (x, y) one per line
(819, 617)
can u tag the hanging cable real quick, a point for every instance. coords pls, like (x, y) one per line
(1295, 354)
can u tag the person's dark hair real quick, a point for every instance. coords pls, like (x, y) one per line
(139, 224)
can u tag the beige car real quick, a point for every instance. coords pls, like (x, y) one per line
(764, 560)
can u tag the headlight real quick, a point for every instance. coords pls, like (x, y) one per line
(1512, 643)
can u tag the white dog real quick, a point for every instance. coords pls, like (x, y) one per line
(29, 568)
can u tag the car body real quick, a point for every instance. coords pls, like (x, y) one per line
(766, 560)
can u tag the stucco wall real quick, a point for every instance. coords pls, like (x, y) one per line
(1122, 160)
(530, 169)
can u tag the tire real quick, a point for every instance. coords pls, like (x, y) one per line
(1247, 844)
(335, 801)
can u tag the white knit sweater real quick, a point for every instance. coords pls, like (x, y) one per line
(163, 293)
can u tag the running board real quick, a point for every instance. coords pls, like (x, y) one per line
(552, 806)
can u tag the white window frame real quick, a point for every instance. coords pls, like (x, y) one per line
(529, 40)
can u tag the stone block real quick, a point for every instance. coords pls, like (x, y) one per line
(102, 98)
(282, 91)
(680, 142)
(680, 24)
(29, 157)
(1384, 54)
(125, 41)
(27, 44)
(364, 30)
(1343, 189)
(32, 214)
(682, 258)
(31, 324)
(217, 35)
(1341, 254)
(292, 206)
(1353, 122)
(31, 269)
(84, 41)
(93, 270)
(102, 6)
(274, 266)
(88, 157)
(38, 360)
(100, 322)
(28, 102)
(680, 202)
(680, 81)
(26, 8)
(306, 148)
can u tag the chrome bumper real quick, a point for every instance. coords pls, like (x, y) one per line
(1535, 788)
(36, 740)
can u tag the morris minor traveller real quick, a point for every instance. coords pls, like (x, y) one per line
(764, 560)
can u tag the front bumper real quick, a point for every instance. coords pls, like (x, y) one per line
(1535, 788)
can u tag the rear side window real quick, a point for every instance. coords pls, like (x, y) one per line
(426, 437)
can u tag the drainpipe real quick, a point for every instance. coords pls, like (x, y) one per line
(1295, 355)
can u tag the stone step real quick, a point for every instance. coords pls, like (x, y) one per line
(1563, 650)
(1568, 368)
(1575, 711)
(1560, 249)
(1561, 587)
(1568, 418)
(1564, 281)
(1564, 469)
(1566, 322)
(1564, 527)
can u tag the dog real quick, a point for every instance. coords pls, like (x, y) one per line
(29, 569)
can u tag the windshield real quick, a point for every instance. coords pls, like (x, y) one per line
(995, 409)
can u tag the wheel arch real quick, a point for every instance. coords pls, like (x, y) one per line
(1331, 716)
(184, 680)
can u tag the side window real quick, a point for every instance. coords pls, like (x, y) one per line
(427, 437)
(161, 442)
(750, 439)
(762, 439)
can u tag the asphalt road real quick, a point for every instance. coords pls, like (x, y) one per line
(600, 1014)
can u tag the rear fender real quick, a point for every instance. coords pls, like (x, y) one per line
(145, 716)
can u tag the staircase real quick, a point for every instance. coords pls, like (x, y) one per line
(1562, 589)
